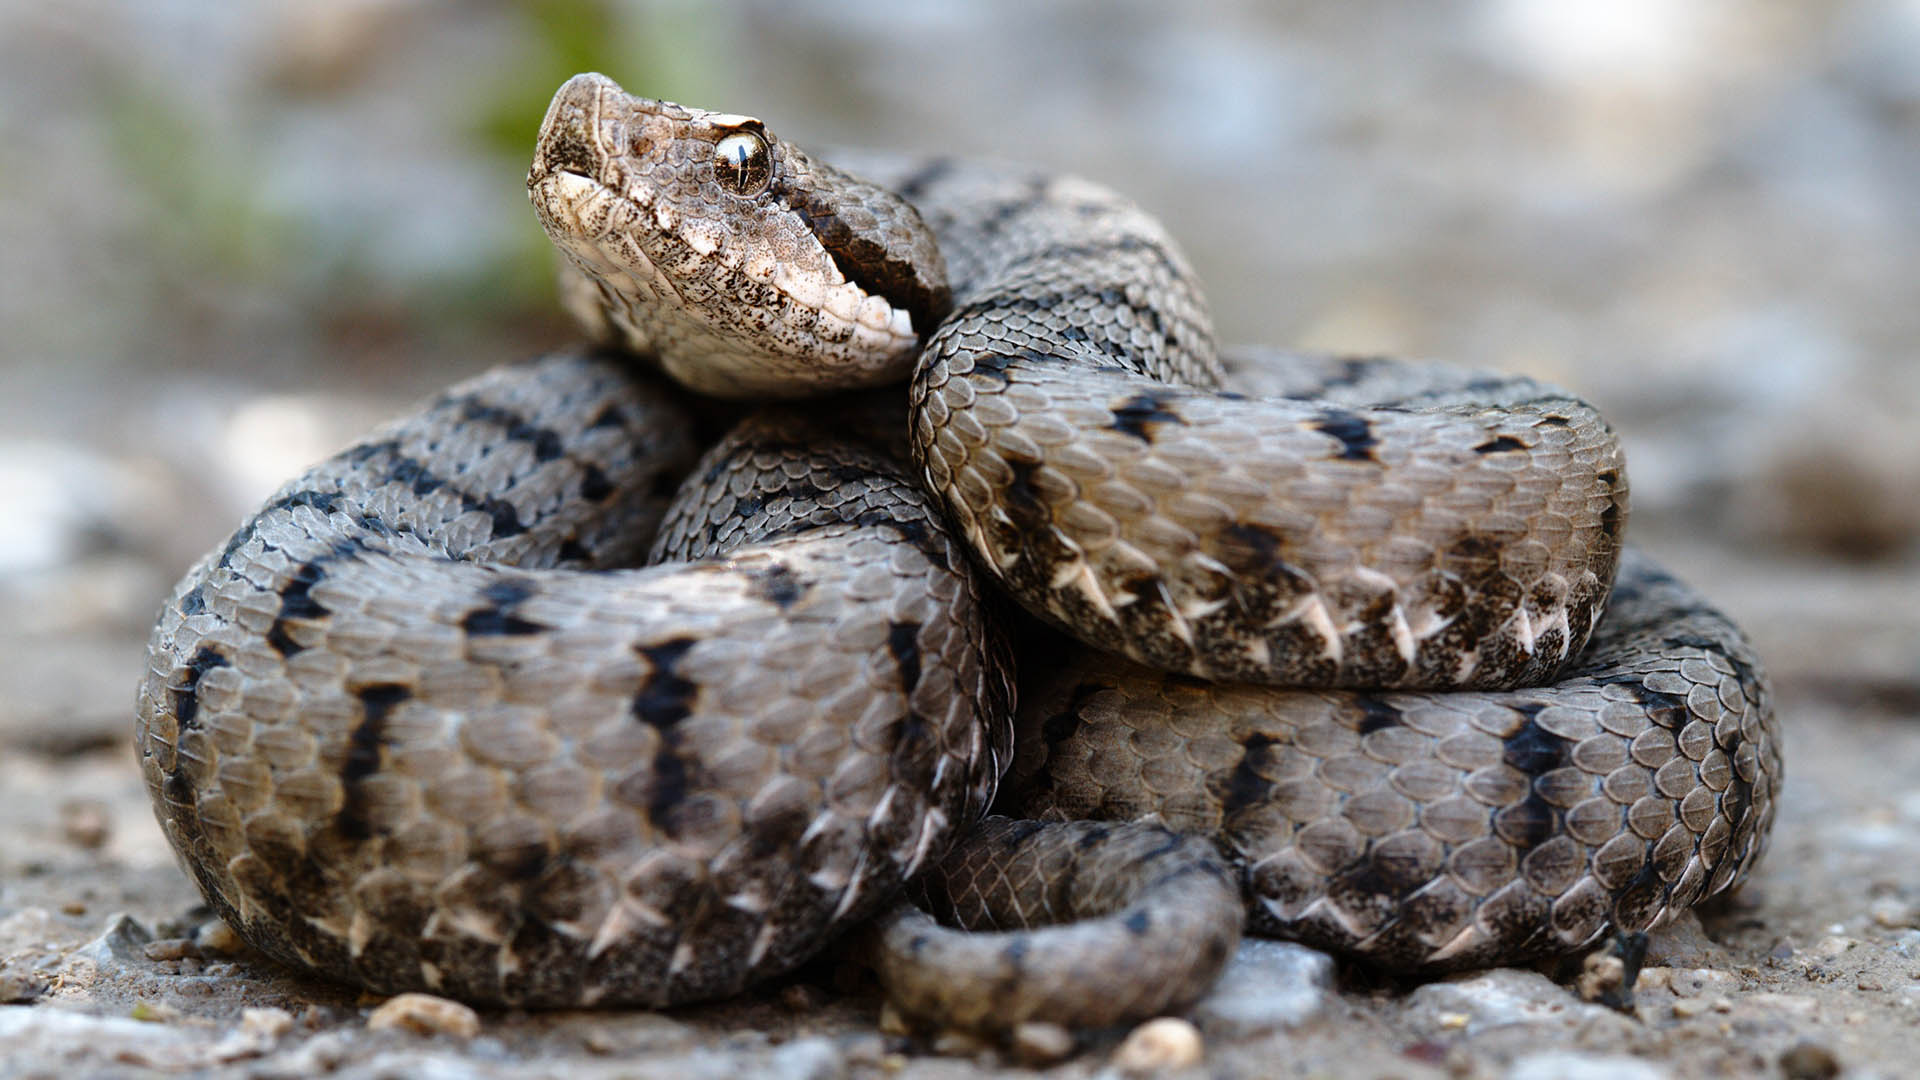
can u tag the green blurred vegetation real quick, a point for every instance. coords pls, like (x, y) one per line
(202, 217)
(659, 50)
(204, 230)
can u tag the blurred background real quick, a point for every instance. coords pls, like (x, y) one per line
(235, 235)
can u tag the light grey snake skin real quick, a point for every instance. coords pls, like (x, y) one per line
(420, 724)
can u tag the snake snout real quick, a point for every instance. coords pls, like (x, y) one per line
(569, 138)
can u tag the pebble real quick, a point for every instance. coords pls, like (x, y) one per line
(1807, 1060)
(122, 943)
(1602, 976)
(20, 988)
(1268, 985)
(1832, 946)
(1164, 1043)
(317, 1056)
(86, 824)
(425, 1014)
(1688, 1007)
(1793, 1004)
(271, 1023)
(215, 936)
(1894, 913)
(168, 949)
(1036, 1044)
(258, 1032)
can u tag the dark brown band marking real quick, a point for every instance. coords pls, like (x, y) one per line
(186, 696)
(377, 702)
(1354, 432)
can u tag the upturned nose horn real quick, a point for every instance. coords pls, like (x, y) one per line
(569, 139)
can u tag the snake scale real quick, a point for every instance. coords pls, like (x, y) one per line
(524, 699)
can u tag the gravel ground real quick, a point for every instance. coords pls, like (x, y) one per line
(236, 239)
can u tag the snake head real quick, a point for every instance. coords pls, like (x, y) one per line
(731, 257)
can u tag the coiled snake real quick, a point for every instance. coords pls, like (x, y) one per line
(425, 722)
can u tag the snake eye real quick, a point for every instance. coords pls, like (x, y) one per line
(742, 164)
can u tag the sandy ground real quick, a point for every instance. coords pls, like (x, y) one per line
(236, 240)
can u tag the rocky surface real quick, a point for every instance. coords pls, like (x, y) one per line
(236, 236)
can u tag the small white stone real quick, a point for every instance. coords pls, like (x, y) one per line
(1569, 1065)
(1697, 981)
(1791, 1004)
(1037, 1043)
(1165, 1043)
(1654, 978)
(1267, 985)
(215, 936)
(1828, 948)
(425, 1014)
(1686, 1008)
(268, 1023)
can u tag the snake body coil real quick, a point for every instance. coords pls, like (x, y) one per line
(418, 725)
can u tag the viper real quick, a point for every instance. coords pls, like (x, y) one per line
(525, 699)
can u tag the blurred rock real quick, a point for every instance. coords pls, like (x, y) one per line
(1574, 1065)
(1839, 479)
(1809, 1061)
(1498, 998)
(1268, 985)
(66, 502)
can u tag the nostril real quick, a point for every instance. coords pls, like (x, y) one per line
(568, 147)
(568, 137)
